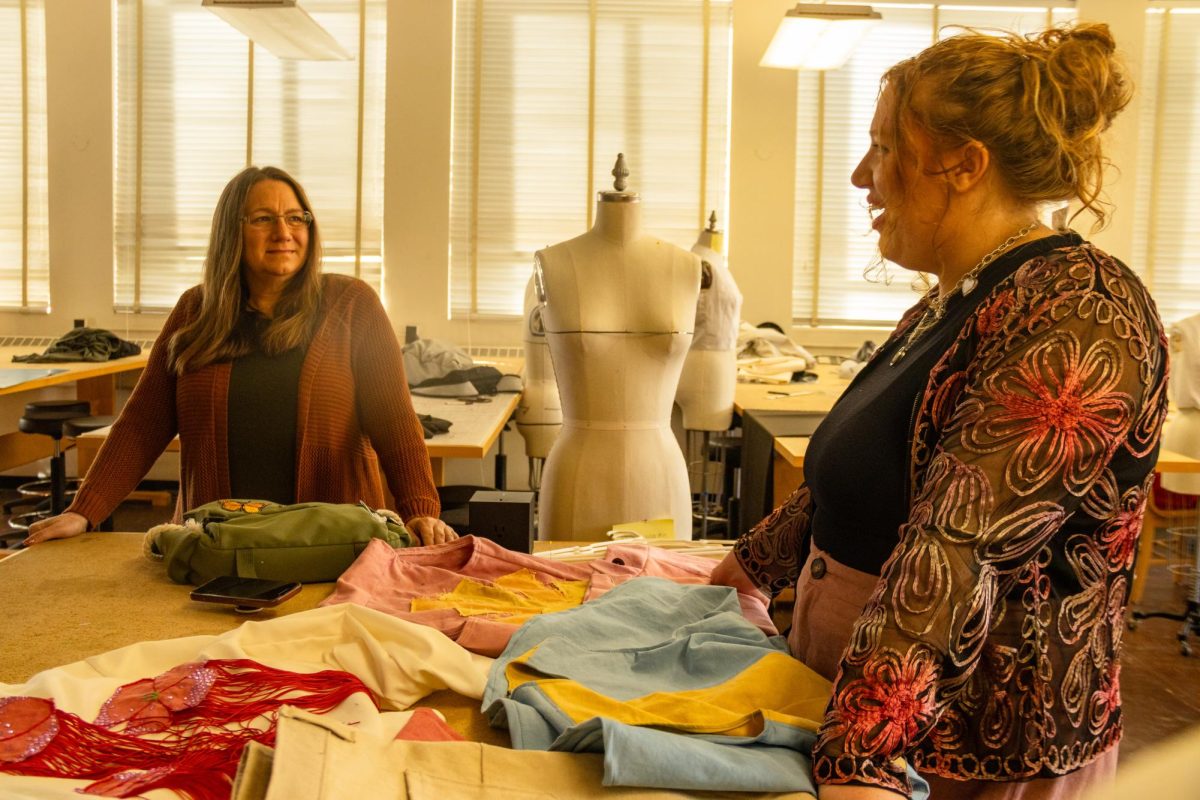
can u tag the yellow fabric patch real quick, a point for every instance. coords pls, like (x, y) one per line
(513, 598)
(777, 687)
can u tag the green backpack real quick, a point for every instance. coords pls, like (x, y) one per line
(305, 542)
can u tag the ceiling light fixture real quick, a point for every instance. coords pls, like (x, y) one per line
(280, 26)
(818, 36)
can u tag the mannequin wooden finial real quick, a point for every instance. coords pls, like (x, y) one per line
(620, 172)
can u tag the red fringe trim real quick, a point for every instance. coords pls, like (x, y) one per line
(196, 750)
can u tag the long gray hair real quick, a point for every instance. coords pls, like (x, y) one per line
(217, 333)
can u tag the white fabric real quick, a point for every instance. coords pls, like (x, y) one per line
(1184, 384)
(767, 356)
(431, 358)
(719, 308)
(400, 662)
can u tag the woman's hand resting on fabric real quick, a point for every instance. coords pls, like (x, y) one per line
(431, 530)
(64, 526)
(730, 573)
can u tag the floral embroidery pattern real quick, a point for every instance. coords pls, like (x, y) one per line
(989, 649)
(886, 706)
(1060, 413)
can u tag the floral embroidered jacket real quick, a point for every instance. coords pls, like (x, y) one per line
(989, 648)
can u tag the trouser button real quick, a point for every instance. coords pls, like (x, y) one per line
(817, 568)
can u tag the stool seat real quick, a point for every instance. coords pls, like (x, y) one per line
(47, 418)
(81, 407)
(80, 425)
(47, 423)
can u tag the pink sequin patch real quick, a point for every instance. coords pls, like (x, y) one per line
(27, 725)
(145, 706)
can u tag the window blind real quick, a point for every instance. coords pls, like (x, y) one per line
(546, 93)
(1166, 237)
(24, 230)
(834, 243)
(196, 103)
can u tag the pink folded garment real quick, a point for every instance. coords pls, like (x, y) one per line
(389, 580)
(623, 561)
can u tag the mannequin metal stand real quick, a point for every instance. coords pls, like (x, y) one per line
(535, 484)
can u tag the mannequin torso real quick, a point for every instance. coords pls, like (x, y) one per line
(706, 387)
(619, 306)
(539, 414)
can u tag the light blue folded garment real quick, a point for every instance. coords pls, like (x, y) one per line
(649, 636)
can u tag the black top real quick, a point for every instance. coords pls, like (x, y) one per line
(263, 392)
(856, 465)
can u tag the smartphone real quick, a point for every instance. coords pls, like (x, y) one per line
(251, 593)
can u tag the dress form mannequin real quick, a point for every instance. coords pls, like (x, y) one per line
(1182, 431)
(539, 414)
(706, 387)
(619, 306)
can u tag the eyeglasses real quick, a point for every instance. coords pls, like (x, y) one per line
(293, 219)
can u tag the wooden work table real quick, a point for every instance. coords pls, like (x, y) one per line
(475, 428)
(806, 398)
(69, 599)
(94, 382)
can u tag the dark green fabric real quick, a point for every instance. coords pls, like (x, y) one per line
(306, 542)
(263, 394)
(83, 344)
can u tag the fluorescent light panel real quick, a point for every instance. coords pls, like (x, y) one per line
(280, 26)
(812, 36)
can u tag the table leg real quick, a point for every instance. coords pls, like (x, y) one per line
(786, 479)
(100, 392)
(437, 464)
(17, 449)
(1145, 555)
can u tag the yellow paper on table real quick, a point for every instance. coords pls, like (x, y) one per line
(648, 528)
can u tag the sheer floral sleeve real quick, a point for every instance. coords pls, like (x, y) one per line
(989, 648)
(774, 550)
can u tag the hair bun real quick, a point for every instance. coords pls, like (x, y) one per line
(1086, 34)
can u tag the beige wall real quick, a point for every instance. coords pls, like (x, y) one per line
(416, 226)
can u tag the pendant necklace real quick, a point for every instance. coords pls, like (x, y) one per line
(935, 308)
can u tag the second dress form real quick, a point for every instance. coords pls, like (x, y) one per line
(709, 379)
(619, 306)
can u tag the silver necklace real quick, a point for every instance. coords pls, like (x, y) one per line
(935, 307)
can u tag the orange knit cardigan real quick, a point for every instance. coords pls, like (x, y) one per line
(354, 417)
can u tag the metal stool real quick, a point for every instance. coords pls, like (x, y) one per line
(718, 507)
(79, 425)
(33, 493)
(46, 422)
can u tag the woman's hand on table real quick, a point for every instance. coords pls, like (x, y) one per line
(64, 526)
(431, 530)
(730, 573)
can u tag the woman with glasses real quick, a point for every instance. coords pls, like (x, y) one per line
(282, 383)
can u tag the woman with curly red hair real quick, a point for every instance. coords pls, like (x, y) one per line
(962, 544)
